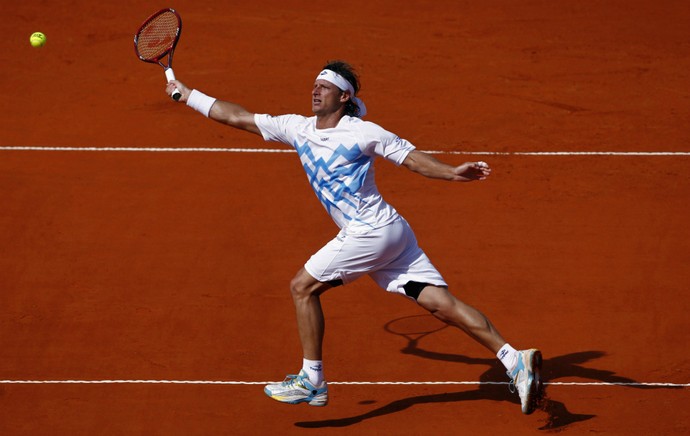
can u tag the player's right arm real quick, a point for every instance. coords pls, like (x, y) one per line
(221, 111)
(233, 115)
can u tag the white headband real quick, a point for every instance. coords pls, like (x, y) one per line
(343, 85)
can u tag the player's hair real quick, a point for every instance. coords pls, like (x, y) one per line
(348, 72)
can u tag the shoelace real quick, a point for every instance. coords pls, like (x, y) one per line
(290, 379)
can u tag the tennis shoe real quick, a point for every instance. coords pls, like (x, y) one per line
(298, 389)
(526, 379)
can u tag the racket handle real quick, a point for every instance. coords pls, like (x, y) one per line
(170, 75)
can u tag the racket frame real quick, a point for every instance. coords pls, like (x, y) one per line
(169, 74)
(170, 50)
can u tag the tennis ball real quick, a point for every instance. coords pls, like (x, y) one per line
(37, 39)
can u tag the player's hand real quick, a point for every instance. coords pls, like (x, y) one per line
(176, 84)
(473, 170)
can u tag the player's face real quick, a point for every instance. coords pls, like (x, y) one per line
(326, 98)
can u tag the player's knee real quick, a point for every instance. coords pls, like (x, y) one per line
(445, 312)
(454, 312)
(442, 304)
(304, 286)
(298, 288)
(434, 298)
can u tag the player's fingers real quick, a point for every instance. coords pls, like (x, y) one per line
(171, 88)
(483, 167)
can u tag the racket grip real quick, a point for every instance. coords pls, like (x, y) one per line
(170, 75)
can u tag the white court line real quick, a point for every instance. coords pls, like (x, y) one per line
(284, 150)
(426, 383)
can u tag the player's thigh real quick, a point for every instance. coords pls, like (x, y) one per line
(411, 265)
(435, 298)
(351, 255)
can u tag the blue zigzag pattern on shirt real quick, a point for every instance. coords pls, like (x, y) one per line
(345, 179)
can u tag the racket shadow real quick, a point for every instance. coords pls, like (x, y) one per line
(556, 414)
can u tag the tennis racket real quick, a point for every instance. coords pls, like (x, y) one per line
(157, 38)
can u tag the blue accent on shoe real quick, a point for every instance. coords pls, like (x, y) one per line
(297, 389)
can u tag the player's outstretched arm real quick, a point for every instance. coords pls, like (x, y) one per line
(428, 166)
(224, 112)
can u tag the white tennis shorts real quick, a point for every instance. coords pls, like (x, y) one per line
(390, 255)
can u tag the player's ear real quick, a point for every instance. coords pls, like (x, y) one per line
(344, 96)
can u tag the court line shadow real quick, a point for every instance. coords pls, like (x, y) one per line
(557, 415)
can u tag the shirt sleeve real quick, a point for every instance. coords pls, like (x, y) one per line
(277, 128)
(388, 145)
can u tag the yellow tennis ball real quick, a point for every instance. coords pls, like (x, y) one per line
(37, 39)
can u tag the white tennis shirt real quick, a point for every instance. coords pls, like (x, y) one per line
(339, 164)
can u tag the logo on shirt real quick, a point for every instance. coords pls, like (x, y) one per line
(325, 138)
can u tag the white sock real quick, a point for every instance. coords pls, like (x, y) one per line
(314, 369)
(508, 356)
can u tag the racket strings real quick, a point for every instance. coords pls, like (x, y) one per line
(157, 36)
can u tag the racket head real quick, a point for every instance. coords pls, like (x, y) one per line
(158, 36)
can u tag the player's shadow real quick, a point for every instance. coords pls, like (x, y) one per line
(557, 415)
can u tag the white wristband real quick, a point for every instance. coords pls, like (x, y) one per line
(200, 102)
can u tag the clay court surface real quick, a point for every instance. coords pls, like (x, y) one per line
(145, 252)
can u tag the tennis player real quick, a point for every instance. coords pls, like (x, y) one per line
(337, 149)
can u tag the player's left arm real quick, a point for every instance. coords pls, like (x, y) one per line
(428, 166)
